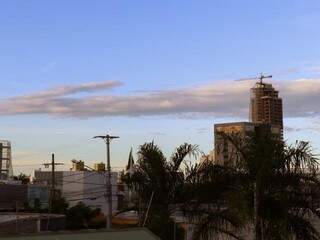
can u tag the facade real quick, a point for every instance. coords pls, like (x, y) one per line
(225, 153)
(13, 196)
(224, 150)
(45, 178)
(265, 105)
(38, 196)
(208, 157)
(6, 171)
(18, 196)
(89, 187)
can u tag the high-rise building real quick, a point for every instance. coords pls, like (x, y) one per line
(265, 105)
(6, 171)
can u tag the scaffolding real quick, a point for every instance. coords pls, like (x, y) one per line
(6, 170)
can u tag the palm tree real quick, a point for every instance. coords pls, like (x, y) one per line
(282, 184)
(269, 186)
(210, 188)
(159, 185)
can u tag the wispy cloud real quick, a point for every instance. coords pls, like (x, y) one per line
(306, 69)
(71, 89)
(292, 129)
(48, 67)
(227, 98)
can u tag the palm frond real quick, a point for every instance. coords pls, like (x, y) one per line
(181, 152)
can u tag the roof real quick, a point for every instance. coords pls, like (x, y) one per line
(124, 234)
(6, 217)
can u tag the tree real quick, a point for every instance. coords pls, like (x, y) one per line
(269, 185)
(59, 206)
(159, 185)
(23, 178)
(82, 217)
(209, 190)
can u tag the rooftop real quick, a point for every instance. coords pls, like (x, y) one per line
(124, 234)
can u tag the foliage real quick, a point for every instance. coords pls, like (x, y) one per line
(209, 189)
(82, 216)
(59, 206)
(265, 184)
(159, 182)
(25, 179)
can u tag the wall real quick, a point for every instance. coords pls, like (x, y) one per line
(89, 187)
(12, 196)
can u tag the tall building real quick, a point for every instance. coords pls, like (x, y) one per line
(225, 151)
(265, 105)
(6, 171)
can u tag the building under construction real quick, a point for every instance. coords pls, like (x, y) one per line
(265, 105)
(6, 171)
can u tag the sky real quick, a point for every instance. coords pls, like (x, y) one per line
(146, 70)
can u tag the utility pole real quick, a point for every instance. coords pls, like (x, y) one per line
(53, 176)
(107, 139)
(53, 183)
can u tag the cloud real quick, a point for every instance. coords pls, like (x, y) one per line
(291, 129)
(301, 97)
(305, 68)
(219, 99)
(71, 89)
(314, 69)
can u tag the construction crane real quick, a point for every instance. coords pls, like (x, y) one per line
(260, 78)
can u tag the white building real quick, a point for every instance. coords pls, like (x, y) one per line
(84, 186)
(90, 188)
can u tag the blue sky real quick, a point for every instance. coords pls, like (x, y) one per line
(159, 53)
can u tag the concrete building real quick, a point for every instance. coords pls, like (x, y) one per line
(82, 185)
(225, 152)
(45, 178)
(17, 195)
(208, 157)
(6, 171)
(13, 196)
(38, 196)
(265, 105)
(89, 187)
